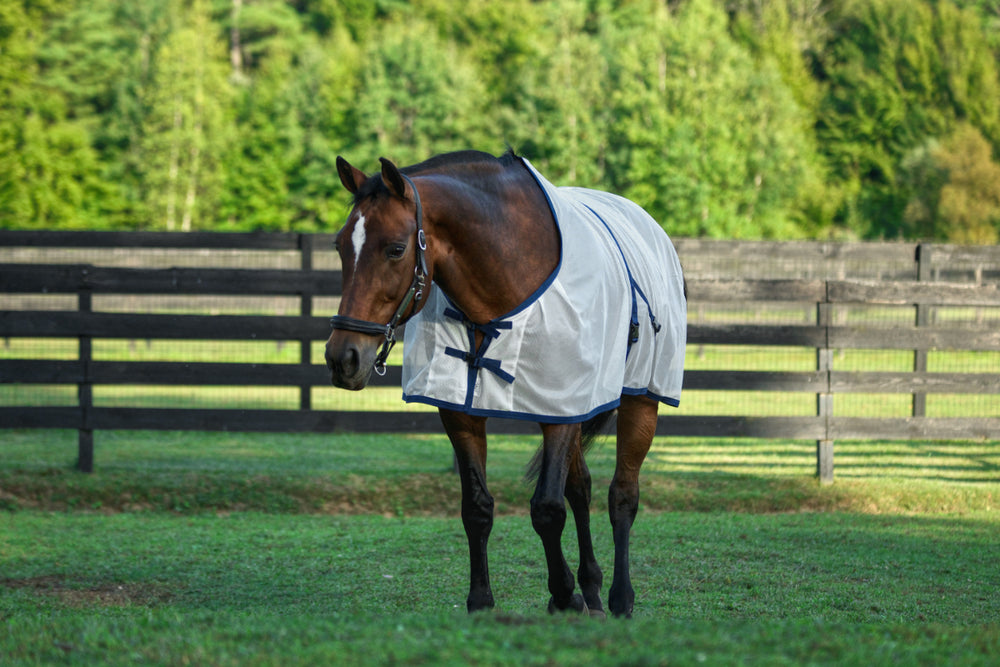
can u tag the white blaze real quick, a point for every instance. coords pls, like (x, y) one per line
(358, 238)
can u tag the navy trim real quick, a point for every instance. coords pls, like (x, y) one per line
(633, 334)
(642, 391)
(473, 373)
(552, 276)
(476, 358)
(542, 419)
(523, 416)
(491, 329)
(477, 362)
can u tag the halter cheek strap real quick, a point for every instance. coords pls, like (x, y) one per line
(413, 296)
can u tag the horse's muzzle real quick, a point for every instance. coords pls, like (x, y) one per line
(350, 363)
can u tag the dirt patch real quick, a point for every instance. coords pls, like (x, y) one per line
(102, 595)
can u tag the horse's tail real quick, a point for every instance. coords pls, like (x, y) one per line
(593, 427)
(589, 431)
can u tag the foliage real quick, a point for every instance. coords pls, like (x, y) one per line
(888, 95)
(955, 187)
(725, 118)
(701, 133)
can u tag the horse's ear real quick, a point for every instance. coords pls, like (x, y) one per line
(392, 178)
(350, 176)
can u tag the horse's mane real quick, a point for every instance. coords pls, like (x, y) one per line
(459, 161)
(447, 161)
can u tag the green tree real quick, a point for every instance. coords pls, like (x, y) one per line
(282, 173)
(710, 142)
(187, 130)
(99, 56)
(323, 95)
(561, 107)
(418, 95)
(49, 173)
(955, 189)
(899, 73)
(263, 36)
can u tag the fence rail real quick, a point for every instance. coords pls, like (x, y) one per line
(829, 289)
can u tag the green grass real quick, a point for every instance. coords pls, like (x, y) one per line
(411, 474)
(298, 549)
(721, 588)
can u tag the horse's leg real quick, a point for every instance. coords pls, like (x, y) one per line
(560, 442)
(468, 438)
(636, 427)
(589, 574)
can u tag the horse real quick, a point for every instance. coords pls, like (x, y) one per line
(473, 251)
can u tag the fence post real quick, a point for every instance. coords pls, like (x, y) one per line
(305, 309)
(924, 273)
(85, 392)
(824, 399)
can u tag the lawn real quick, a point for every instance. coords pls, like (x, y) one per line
(261, 549)
(723, 588)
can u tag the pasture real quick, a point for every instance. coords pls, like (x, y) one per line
(346, 549)
(186, 547)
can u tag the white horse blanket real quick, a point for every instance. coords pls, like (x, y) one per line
(610, 320)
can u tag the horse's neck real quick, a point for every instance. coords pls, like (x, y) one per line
(493, 250)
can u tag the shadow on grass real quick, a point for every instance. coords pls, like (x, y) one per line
(396, 475)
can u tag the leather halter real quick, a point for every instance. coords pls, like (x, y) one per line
(412, 297)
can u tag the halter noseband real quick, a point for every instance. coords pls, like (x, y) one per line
(413, 296)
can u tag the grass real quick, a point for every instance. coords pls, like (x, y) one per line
(297, 549)
(253, 588)
(411, 474)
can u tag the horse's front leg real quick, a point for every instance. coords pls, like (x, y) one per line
(548, 511)
(468, 438)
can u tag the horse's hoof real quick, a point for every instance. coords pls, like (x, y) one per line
(598, 614)
(576, 604)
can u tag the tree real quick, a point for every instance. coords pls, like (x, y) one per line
(187, 129)
(418, 96)
(969, 207)
(561, 108)
(49, 173)
(955, 189)
(898, 74)
(290, 115)
(710, 142)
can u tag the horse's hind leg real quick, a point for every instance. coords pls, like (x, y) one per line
(560, 442)
(636, 427)
(468, 438)
(578, 493)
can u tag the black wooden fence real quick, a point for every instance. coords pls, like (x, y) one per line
(815, 277)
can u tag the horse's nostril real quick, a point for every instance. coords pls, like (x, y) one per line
(351, 361)
(346, 363)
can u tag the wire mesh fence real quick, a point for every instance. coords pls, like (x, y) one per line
(702, 260)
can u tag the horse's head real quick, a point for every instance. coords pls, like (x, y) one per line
(384, 271)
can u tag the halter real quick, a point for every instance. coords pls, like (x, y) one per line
(413, 295)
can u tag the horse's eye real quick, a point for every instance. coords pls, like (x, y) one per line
(395, 251)
(336, 245)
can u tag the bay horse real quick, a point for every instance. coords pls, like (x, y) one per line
(475, 253)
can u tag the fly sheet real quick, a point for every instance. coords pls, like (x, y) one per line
(610, 320)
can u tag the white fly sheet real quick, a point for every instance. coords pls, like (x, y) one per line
(610, 320)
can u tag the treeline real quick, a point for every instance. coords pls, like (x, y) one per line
(724, 118)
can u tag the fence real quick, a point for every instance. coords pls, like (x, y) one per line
(790, 299)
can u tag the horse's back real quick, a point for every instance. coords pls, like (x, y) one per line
(653, 287)
(565, 353)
